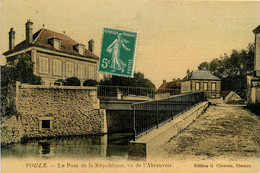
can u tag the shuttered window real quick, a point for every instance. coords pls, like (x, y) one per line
(205, 86)
(81, 71)
(91, 71)
(69, 69)
(43, 65)
(213, 86)
(57, 67)
(197, 86)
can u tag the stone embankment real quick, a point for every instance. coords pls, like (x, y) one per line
(52, 111)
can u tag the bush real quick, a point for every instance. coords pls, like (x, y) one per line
(72, 81)
(59, 82)
(90, 82)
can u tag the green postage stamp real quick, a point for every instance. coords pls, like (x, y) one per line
(118, 52)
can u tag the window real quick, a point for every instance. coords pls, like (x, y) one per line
(81, 50)
(197, 86)
(57, 67)
(91, 72)
(57, 44)
(205, 86)
(45, 123)
(43, 65)
(213, 86)
(81, 71)
(69, 69)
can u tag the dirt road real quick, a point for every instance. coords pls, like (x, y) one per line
(223, 131)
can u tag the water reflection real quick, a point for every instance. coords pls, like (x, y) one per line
(112, 145)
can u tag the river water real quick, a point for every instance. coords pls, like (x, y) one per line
(111, 145)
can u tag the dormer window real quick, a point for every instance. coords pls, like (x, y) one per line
(56, 43)
(80, 48)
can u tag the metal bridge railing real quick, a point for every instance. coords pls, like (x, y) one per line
(120, 92)
(150, 114)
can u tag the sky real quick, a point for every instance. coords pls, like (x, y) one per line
(173, 36)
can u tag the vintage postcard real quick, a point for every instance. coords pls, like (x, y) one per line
(130, 86)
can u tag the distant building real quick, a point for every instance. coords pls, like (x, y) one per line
(173, 87)
(253, 81)
(202, 80)
(55, 55)
(233, 97)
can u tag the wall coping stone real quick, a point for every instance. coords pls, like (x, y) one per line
(27, 86)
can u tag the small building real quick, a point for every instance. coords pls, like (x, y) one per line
(55, 55)
(172, 87)
(202, 80)
(253, 81)
(233, 97)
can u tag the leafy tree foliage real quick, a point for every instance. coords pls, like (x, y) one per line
(233, 69)
(22, 71)
(72, 81)
(204, 66)
(137, 81)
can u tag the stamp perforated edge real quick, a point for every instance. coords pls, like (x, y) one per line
(136, 45)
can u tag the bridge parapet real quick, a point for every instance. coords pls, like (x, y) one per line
(107, 92)
(150, 114)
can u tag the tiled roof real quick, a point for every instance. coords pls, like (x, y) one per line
(41, 39)
(201, 75)
(170, 85)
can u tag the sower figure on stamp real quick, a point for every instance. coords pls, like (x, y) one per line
(114, 48)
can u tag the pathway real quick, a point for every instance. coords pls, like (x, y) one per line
(223, 131)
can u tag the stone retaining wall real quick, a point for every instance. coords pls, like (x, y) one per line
(49, 111)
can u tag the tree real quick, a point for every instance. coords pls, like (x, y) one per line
(233, 69)
(204, 66)
(137, 81)
(22, 71)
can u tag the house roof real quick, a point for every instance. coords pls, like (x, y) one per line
(201, 75)
(257, 30)
(41, 39)
(170, 85)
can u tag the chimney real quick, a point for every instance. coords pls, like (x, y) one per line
(91, 45)
(188, 73)
(164, 81)
(11, 39)
(257, 52)
(29, 31)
